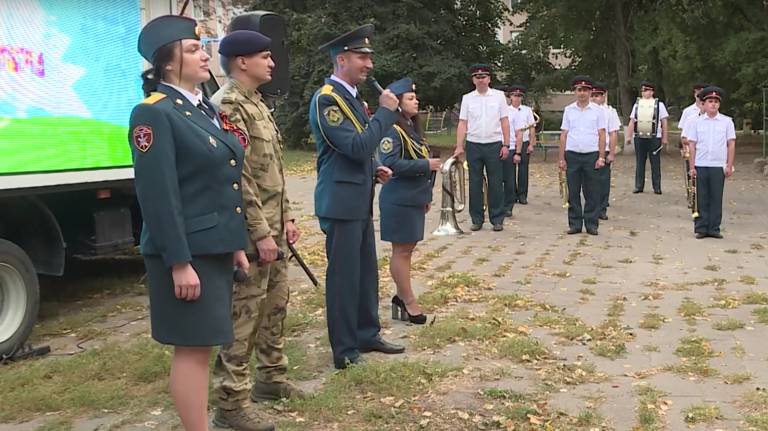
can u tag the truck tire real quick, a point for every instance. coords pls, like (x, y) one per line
(19, 297)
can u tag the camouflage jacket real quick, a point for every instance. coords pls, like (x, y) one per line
(266, 203)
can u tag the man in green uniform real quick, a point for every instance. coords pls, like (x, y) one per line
(259, 305)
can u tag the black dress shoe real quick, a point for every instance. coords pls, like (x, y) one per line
(715, 235)
(498, 227)
(348, 361)
(574, 230)
(379, 345)
(476, 227)
(523, 201)
(592, 231)
(603, 216)
(637, 191)
(400, 312)
(700, 235)
(658, 192)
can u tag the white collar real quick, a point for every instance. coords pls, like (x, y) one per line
(194, 98)
(352, 90)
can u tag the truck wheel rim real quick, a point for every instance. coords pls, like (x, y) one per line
(13, 301)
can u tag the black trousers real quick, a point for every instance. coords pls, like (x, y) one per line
(522, 172)
(583, 177)
(644, 148)
(484, 158)
(351, 287)
(709, 196)
(605, 182)
(509, 169)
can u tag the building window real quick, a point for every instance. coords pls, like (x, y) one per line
(513, 34)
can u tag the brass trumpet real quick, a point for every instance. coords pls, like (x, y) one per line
(563, 188)
(694, 201)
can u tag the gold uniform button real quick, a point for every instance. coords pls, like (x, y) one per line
(238, 210)
(232, 162)
(235, 186)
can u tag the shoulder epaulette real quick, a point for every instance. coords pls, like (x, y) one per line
(154, 98)
(326, 89)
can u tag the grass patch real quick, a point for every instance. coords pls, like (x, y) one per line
(616, 308)
(122, 378)
(736, 378)
(57, 424)
(729, 324)
(761, 314)
(557, 374)
(586, 291)
(754, 406)
(693, 347)
(738, 351)
(299, 162)
(756, 246)
(502, 270)
(572, 256)
(701, 414)
(713, 268)
(389, 380)
(755, 298)
(651, 348)
(652, 321)
(305, 311)
(521, 349)
(626, 260)
(589, 280)
(454, 287)
(481, 260)
(731, 251)
(650, 409)
(456, 327)
(691, 310)
(726, 302)
(748, 280)
(505, 394)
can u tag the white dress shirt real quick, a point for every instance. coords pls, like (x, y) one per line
(662, 115)
(691, 111)
(711, 135)
(526, 113)
(483, 113)
(516, 122)
(582, 126)
(352, 90)
(195, 98)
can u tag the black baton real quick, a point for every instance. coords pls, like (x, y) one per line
(300, 261)
(241, 276)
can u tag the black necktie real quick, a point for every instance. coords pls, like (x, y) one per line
(206, 110)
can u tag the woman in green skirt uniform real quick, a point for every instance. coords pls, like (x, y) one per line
(188, 164)
(406, 198)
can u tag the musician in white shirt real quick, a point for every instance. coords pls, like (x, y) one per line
(516, 150)
(515, 94)
(582, 154)
(484, 123)
(648, 146)
(712, 141)
(599, 97)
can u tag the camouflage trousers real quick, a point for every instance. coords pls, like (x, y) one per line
(258, 311)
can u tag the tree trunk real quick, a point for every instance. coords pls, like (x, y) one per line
(623, 54)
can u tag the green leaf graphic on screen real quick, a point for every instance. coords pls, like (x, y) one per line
(60, 144)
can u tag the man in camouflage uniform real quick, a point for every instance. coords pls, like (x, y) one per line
(259, 305)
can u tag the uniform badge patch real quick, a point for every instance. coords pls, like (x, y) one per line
(333, 115)
(227, 125)
(142, 138)
(385, 145)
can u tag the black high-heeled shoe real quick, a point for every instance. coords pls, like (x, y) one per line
(399, 312)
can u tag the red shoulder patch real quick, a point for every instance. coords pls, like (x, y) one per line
(142, 138)
(227, 125)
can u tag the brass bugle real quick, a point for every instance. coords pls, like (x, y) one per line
(563, 188)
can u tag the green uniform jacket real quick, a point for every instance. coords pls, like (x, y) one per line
(187, 179)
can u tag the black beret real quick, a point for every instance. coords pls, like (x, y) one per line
(243, 42)
(357, 40)
(164, 30)
(517, 89)
(581, 81)
(712, 91)
(479, 68)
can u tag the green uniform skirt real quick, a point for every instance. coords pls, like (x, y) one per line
(206, 321)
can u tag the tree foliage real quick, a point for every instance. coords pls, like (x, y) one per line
(672, 42)
(431, 41)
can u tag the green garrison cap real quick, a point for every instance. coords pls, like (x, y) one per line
(164, 30)
(357, 40)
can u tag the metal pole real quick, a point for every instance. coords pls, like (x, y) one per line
(765, 118)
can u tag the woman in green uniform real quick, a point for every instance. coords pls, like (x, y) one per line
(187, 164)
(406, 198)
